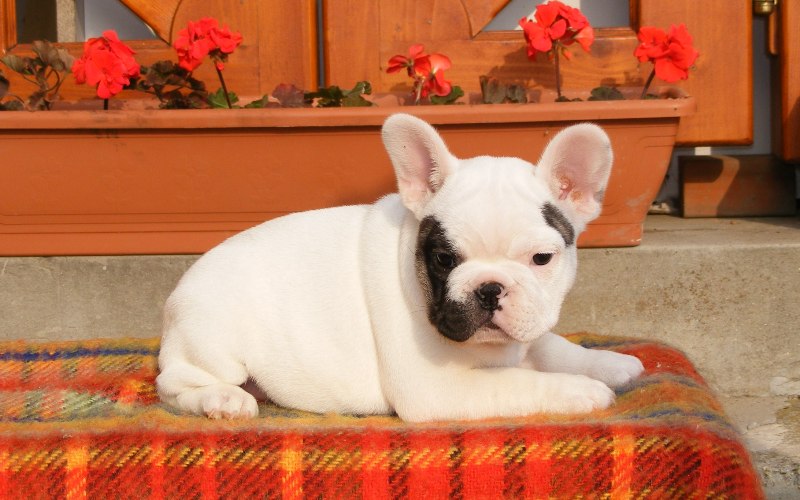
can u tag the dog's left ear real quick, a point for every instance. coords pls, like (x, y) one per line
(576, 166)
(421, 160)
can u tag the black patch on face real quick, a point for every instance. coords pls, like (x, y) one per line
(436, 257)
(556, 219)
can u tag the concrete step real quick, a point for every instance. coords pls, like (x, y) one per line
(725, 291)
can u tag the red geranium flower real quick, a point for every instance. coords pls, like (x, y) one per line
(548, 26)
(417, 63)
(554, 27)
(435, 83)
(556, 24)
(106, 63)
(672, 54)
(205, 38)
(427, 70)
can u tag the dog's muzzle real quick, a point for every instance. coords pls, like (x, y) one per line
(488, 295)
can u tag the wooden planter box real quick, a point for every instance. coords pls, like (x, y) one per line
(181, 181)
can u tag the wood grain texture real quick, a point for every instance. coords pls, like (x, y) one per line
(481, 12)
(736, 186)
(790, 81)
(8, 25)
(722, 80)
(157, 15)
(279, 44)
(445, 26)
(351, 36)
(287, 40)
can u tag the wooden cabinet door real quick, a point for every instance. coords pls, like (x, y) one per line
(722, 81)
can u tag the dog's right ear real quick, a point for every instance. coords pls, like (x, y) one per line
(420, 158)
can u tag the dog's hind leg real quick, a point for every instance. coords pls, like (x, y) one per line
(192, 389)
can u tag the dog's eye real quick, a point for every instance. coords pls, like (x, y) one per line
(542, 259)
(445, 260)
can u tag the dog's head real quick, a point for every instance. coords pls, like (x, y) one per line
(495, 251)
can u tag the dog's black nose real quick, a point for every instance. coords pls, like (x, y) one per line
(488, 295)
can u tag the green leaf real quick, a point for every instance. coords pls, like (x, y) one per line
(11, 106)
(333, 96)
(517, 94)
(66, 58)
(496, 92)
(326, 97)
(15, 63)
(491, 90)
(455, 93)
(355, 101)
(217, 99)
(264, 102)
(38, 100)
(606, 93)
(288, 95)
(362, 87)
(4, 85)
(50, 55)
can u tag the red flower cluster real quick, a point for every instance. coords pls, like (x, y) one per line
(106, 63)
(205, 38)
(556, 24)
(672, 54)
(427, 70)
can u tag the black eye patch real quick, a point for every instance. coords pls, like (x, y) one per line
(556, 219)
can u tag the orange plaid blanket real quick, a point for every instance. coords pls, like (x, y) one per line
(82, 420)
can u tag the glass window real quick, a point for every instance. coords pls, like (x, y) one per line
(601, 13)
(76, 20)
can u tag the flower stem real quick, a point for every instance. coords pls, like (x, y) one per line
(224, 88)
(418, 84)
(558, 72)
(647, 84)
(105, 104)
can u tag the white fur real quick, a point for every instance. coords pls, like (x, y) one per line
(324, 310)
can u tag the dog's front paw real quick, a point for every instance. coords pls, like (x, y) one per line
(579, 394)
(613, 368)
(220, 401)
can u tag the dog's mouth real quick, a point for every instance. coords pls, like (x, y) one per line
(489, 332)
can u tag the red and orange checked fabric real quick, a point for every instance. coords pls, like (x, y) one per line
(82, 420)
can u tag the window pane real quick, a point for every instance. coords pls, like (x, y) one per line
(36, 20)
(601, 13)
(96, 16)
(76, 20)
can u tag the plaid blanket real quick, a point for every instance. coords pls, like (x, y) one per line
(82, 420)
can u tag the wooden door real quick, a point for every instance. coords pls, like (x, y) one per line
(280, 42)
(789, 56)
(360, 37)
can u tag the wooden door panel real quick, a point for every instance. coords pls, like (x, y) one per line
(789, 52)
(722, 81)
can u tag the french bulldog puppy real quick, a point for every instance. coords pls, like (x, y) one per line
(434, 303)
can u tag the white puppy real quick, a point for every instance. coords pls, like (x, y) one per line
(435, 303)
